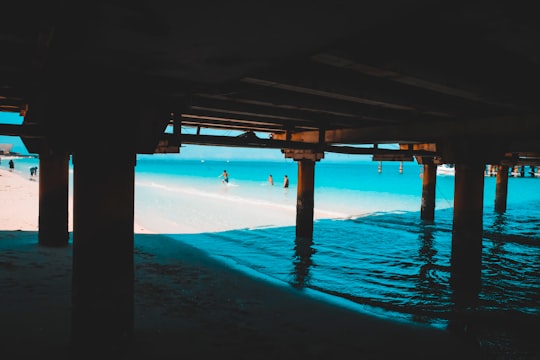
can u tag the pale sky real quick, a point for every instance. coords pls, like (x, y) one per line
(188, 151)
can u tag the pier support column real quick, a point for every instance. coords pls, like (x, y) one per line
(53, 219)
(467, 228)
(305, 199)
(305, 190)
(103, 273)
(429, 181)
(117, 117)
(501, 189)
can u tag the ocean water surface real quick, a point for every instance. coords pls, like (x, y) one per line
(370, 249)
(369, 244)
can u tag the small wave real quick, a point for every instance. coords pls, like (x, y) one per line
(515, 238)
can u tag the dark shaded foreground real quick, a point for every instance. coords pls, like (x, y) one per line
(189, 306)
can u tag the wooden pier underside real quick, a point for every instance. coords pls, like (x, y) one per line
(450, 83)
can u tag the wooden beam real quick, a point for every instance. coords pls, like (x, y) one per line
(392, 157)
(214, 122)
(263, 118)
(348, 84)
(400, 155)
(239, 141)
(29, 131)
(503, 128)
(326, 94)
(330, 108)
(231, 106)
(391, 75)
(274, 106)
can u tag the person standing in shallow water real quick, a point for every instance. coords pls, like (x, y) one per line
(270, 179)
(286, 182)
(11, 165)
(225, 177)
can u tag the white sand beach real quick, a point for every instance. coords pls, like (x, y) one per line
(20, 202)
(187, 305)
(22, 195)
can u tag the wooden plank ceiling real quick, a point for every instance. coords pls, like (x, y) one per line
(327, 73)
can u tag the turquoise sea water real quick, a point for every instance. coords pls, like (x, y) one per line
(370, 249)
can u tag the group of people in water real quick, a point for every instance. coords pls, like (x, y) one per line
(285, 181)
(225, 180)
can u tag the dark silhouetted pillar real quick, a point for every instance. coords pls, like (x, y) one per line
(305, 199)
(53, 220)
(305, 190)
(501, 189)
(103, 273)
(429, 181)
(467, 228)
